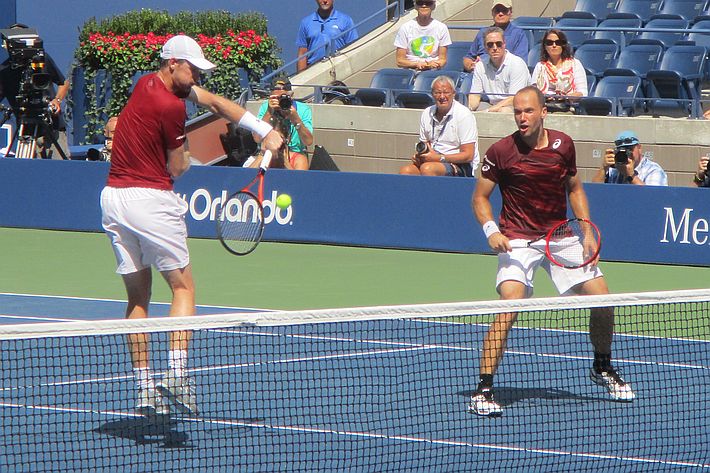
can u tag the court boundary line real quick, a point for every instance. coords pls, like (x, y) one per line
(374, 435)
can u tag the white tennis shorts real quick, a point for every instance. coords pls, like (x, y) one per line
(520, 265)
(146, 228)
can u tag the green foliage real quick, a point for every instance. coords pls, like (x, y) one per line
(130, 43)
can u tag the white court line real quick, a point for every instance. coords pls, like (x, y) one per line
(380, 436)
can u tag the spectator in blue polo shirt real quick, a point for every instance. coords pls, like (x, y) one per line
(515, 39)
(627, 164)
(319, 28)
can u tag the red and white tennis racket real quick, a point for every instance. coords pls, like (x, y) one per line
(240, 219)
(571, 244)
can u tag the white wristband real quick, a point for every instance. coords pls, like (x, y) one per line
(251, 123)
(489, 228)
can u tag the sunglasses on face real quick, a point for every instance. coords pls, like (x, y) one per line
(626, 142)
(497, 44)
(425, 4)
(502, 10)
(556, 42)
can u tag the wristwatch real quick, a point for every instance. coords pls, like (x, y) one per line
(631, 177)
(442, 158)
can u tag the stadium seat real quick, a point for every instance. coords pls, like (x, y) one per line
(577, 37)
(613, 95)
(591, 83)
(637, 60)
(597, 55)
(684, 9)
(674, 88)
(464, 88)
(383, 83)
(666, 39)
(643, 9)
(455, 54)
(702, 39)
(622, 38)
(544, 23)
(600, 9)
(533, 57)
(420, 95)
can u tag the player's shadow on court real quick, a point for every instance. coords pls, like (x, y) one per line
(507, 396)
(145, 431)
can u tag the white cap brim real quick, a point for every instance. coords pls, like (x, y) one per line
(201, 64)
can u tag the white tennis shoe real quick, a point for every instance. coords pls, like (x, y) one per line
(483, 404)
(618, 389)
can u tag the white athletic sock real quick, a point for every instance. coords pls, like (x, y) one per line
(143, 378)
(177, 361)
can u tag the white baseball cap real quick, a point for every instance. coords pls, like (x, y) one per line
(184, 47)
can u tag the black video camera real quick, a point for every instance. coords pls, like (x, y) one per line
(420, 147)
(285, 102)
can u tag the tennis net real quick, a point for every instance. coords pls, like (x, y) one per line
(373, 389)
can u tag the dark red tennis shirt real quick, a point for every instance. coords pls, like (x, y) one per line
(152, 122)
(531, 182)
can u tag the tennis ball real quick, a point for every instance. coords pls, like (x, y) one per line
(283, 201)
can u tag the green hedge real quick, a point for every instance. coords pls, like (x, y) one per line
(130, 43)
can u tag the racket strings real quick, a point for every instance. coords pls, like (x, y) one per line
(240, 223)
(574, 243)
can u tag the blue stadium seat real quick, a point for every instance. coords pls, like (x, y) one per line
(622, 38)
(685, 9)
(613, 95)
(533, 56)
(599, 8)
(591, 84)
(597, 55)
(702, 39)
(577, 37)
(420, 95)
(636, 60)
(643, 9)
(666, 39)
(543, 22)
(674, 88)
(383, 83)
(455, 54)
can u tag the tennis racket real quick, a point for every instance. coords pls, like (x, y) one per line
(240, 219)
(571, 244)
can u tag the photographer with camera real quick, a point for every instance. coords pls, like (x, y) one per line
(26, 81)
(293, 120)
(626, 164)
(701, 178)
(448, 136)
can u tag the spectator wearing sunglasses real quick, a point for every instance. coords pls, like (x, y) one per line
(422, 42)
(318, 29)
(626, 164)
(500, 76)
(559, 74)
(515, 38)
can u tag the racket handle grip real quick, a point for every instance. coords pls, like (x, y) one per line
(265, 160)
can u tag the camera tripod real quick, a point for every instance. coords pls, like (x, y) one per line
(31, 127)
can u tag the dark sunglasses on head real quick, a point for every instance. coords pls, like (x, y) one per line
(626, 141)
(425, 3)
(497, 44)
(558, 42)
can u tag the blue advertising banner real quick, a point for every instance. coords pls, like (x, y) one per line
(652, 224)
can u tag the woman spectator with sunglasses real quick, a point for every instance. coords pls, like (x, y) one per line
(559, 75)
(421, 43)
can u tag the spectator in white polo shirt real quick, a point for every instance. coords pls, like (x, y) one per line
(448, 137)
(499, 77)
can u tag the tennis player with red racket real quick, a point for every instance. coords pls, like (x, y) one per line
(535, 169)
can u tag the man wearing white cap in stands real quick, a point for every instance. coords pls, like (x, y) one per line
(145, 219)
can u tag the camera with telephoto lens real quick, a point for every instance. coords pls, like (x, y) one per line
(621, 156)
(285, 102)
(26, 52)
(420, 147)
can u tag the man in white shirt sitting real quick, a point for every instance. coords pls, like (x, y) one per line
(499, 77)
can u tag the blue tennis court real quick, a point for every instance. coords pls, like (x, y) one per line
(386, 395)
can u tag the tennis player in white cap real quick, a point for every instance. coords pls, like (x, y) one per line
(145, 219)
